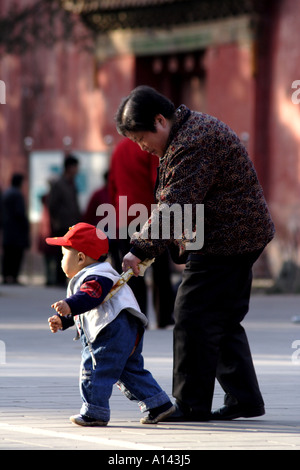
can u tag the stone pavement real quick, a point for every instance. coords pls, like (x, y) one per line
(39, 384)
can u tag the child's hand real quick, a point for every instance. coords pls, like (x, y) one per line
(61, 307)
(55, 323)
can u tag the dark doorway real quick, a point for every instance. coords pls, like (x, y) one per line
(181, 77)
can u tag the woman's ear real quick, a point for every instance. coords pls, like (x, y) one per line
(160, 119)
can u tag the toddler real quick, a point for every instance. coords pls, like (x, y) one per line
(111, 332)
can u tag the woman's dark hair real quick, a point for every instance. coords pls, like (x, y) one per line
(137, 111)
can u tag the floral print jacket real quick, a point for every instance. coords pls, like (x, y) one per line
(206, 164)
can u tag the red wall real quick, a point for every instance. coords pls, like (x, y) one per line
(56, 92)
(283, 132)
(230, 87)
(115, 78)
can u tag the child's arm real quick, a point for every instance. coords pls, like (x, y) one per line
(92, 292)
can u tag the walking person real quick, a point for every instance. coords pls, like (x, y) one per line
(16, 237)
(63, 206)
(111, 332)
(202, 161)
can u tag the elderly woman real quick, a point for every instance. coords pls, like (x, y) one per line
(203, 162)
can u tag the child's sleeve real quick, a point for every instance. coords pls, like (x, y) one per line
(92, 292)
(67, 321)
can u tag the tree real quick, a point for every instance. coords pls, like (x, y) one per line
(45, 23)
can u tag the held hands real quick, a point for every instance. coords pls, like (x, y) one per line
(131, 261)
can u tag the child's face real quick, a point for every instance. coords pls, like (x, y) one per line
(70, 263)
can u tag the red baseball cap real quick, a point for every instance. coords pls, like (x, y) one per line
(83, 237)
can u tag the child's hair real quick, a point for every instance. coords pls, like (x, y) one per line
(103, 258)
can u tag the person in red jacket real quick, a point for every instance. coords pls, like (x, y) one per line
(133, 174)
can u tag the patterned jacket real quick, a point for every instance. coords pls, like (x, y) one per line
(205, 163)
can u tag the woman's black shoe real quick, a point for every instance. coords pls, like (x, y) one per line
(229, 412)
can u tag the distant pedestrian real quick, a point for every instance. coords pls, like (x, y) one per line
(48, 253)
(1, 209)
(16, 238)
(63, 206)
(111, 332)
(99, 197)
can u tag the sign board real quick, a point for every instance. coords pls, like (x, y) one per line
(46, 166)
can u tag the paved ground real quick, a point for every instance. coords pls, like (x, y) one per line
(39, 385)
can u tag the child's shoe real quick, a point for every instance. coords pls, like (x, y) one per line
(158, 414)
(83, 420)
